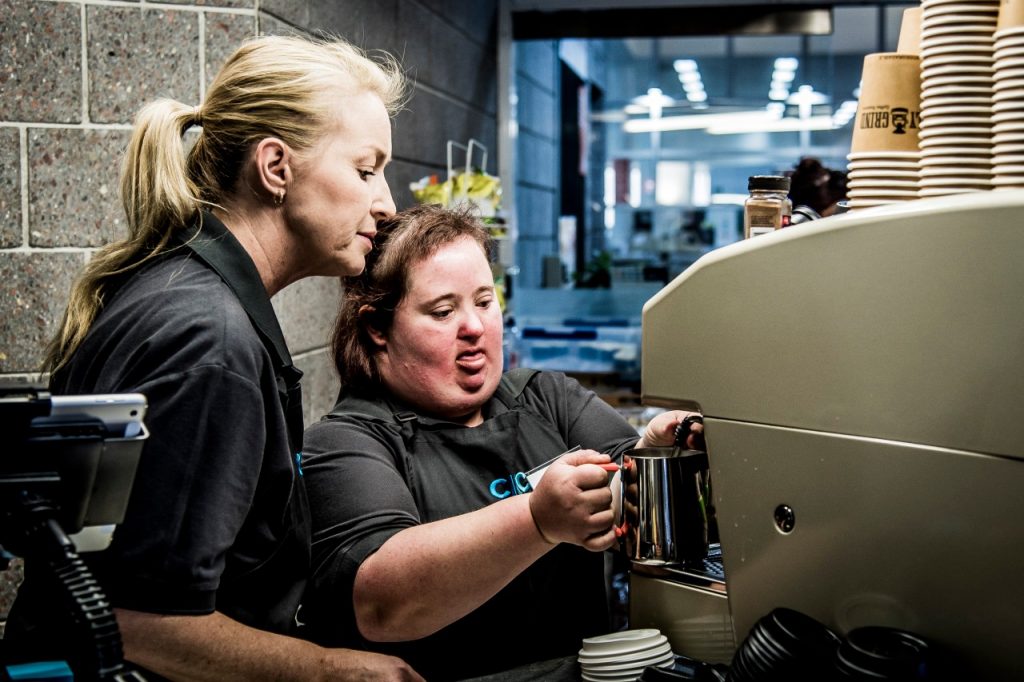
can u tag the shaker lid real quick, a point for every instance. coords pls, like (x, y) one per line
(776, 182)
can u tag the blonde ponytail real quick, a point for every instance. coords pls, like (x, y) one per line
(158, 198)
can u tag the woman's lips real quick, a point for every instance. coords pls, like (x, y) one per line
(471, 360)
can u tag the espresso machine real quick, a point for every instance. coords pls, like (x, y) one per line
(861, 379)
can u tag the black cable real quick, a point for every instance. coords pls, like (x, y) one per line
(44, 545)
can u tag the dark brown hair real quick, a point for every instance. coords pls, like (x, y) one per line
(370, 298)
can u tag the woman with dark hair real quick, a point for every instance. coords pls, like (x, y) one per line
(428, 540)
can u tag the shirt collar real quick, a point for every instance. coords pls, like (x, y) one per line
(491, 408)
(214, 244)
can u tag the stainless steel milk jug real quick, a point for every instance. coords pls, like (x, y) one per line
(667, 505)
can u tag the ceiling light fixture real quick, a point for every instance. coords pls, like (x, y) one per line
(732, 123)
(697, 121)
(689, 77)
(782, 125)
(654, 101)
(805, 99)
(684, 65)
(844, 113)
(783, 75)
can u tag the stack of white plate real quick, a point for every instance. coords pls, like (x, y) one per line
(882, 177)
(957, 70)
(622, 656)
(1008, 110)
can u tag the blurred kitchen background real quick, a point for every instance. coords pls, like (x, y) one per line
(623, 134)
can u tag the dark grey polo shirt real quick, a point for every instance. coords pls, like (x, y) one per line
(218, 518)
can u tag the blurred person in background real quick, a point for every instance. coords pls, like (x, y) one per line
(817, 187)
(285, 180)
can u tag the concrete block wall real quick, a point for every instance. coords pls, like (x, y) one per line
(73, 73)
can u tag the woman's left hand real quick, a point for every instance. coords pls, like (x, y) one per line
(661, 431)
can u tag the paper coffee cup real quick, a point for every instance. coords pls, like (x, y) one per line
(1011, 14)
(889, 109)
(910, 32)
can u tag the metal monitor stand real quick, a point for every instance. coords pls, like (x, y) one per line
(30, 530)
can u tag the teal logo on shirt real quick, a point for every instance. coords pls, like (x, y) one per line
(515, 484)
(298, 462)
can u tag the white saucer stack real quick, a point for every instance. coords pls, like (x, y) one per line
(1008, 110)
(622, 656)
(957, 72)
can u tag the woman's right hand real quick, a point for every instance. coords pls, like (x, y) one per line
(573, 502)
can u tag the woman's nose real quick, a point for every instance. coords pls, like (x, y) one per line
(472, 324)
(383, 204)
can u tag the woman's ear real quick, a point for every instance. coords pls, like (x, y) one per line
(367, 315)
(273, 159)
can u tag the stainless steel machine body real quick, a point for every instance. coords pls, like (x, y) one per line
(862, 382)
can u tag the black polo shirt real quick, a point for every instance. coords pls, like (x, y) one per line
(218, 517)
(375, 468)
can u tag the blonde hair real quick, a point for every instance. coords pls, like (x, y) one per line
(272, 86)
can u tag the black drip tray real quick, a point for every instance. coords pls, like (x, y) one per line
(711, 567)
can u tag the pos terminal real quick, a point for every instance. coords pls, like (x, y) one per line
(68, 464)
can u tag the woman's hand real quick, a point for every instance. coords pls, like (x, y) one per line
(573, 502)
(661, 431)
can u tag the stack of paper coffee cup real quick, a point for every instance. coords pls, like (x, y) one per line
(957, 67)
(1008, 98)
(910, 32)
(884, 151)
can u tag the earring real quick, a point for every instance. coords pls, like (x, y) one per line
(279, 198)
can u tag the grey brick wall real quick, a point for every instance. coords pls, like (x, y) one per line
(73, 73)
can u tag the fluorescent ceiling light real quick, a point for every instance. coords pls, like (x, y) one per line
(697, 121)
(697, 96)
(731, 123)
(844, 113)
(806, 95)
(786, 64)
(684, 65)
(653, 97)
(778, 94)
(689, 77)
(783, 76)
(782, 125)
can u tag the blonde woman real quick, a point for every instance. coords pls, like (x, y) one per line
(285, 180)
